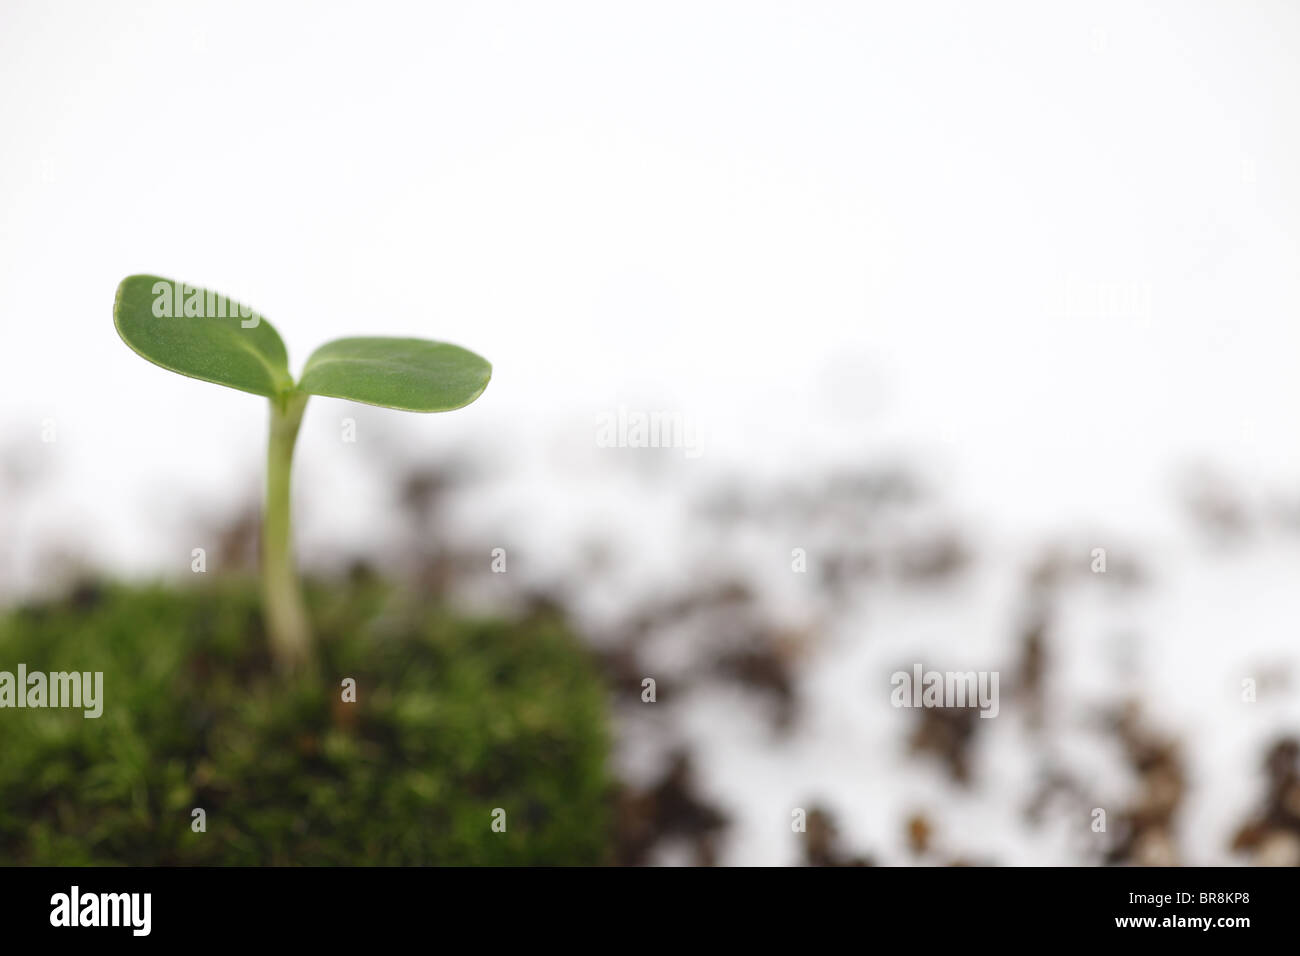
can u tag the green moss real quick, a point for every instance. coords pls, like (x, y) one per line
(453, 719)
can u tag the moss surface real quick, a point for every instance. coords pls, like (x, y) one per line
(454, 718)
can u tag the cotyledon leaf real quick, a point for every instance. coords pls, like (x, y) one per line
(201, 334)
(411, 374)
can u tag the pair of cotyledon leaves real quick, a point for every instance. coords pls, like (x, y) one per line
(232, 346)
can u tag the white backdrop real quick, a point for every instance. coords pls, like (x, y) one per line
(1056, 243)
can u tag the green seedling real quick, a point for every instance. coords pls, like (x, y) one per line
(206, 336)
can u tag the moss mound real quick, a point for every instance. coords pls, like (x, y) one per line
(454, 718)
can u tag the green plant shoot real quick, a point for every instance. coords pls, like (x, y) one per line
(204, 335)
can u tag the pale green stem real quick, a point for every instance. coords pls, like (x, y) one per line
(286, 616)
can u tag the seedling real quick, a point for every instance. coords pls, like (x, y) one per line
(206, 336)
